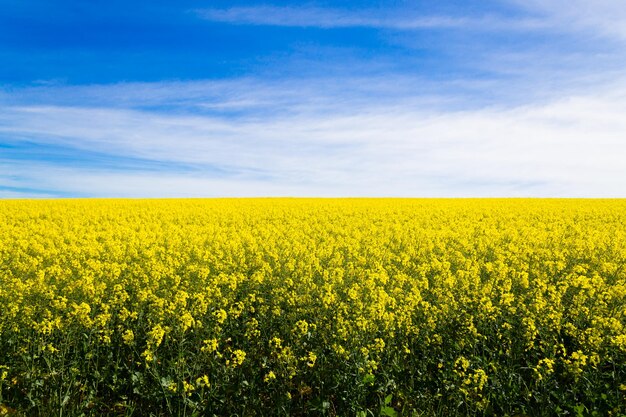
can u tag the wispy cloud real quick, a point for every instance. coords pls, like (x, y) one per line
(319, 17)
(328, 18)
(600, 17)
(563, 147)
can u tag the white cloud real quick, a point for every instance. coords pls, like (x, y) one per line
(603, 17)
(318, 17)
(15, 195)
(569, 146)
(599, 17)
(328, 18)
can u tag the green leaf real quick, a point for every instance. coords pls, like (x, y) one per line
(368, 379)
(579, 410)
(388, 411)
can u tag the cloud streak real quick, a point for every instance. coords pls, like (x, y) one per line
(319, 17)
(606, 18)
(328, 18)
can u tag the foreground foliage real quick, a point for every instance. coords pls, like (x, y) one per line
(313, 307)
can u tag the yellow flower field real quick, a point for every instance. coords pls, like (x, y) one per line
(339, 307)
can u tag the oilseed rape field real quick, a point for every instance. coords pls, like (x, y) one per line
(294, 307)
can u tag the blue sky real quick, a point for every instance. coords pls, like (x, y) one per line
(352, 98)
